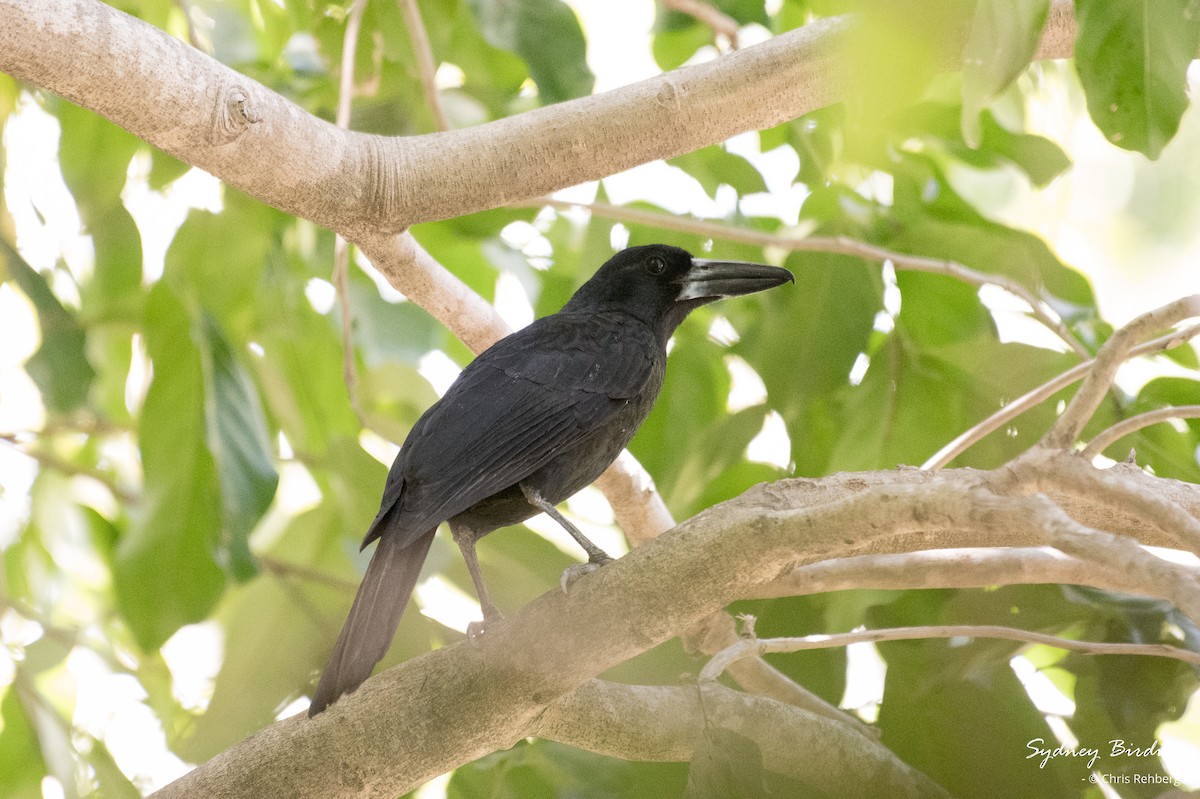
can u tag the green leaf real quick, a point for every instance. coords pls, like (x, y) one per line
(673, 46)
(1038, 157)
(168, 570)
(1170, 452)
(9, 92)
(237, 438)
(1132, 57)
(826, 320)
(301, 369)
(547, 36)
(60, 367)
(219, 259)
(937, 695)
(278, 631)
(714, 166)
(22, 766)
(931, 219)
(923, 388)
(94, 155)
(1004, 35)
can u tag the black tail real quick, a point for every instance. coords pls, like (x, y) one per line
(373, 618)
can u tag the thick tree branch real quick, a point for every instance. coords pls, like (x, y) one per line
(208, 115)
(451, 706)
(952, 568)
(1067, 473)
(665, 723)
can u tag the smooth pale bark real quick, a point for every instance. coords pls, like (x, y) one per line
(191, 106)
(433, 713)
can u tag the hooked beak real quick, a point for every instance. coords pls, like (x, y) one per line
(711, 280)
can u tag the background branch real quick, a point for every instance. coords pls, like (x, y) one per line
(426, 66)
(341, 250)
(661, 722)
(1043, 392)
(1099, 378)
(842, 245)
(1106, 438)
(751, 647)
(721, 23)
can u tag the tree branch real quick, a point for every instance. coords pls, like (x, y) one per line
(423, 54)
(352, 182)
(663, 723)
(451, 706)
(952, 568)
(52, 461)
(1041, 469)
(756, 647)
(842, 245)
(720, 23)
(1105, 438)
(1115, 351)
(341, 250)
(1043, 392)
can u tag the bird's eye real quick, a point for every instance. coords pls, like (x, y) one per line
(655, 265)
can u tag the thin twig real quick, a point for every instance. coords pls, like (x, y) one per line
(1068, 426)
(721, 23)
(1048, 389)
(52, 461)
(841, 245)
(68, 637)
(423, 53)
(189, 26)
(761, 646)
(1134, 423)
(283, 568)
(341, 250)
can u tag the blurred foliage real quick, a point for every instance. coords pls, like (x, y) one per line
(184, 412)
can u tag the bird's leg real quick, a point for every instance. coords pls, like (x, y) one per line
(465, 538)
(595, 554)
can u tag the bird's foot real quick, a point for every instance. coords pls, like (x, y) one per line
(573, 573)
(477, 629)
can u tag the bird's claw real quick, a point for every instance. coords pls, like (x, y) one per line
(573, 573)
(477, 629)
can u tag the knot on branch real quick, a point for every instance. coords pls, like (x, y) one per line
(233, 112)
(669, 96)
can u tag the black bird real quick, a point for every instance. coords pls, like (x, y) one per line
(531, 421)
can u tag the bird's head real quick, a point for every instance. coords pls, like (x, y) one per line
(661, 284)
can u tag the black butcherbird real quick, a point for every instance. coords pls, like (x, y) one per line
(528, 423)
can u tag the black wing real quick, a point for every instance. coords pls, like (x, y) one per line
(531, 396)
